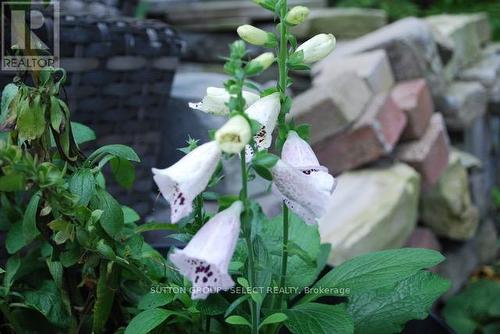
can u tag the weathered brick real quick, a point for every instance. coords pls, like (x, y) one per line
(373, 67)
(429, 154)
(331, 108)
(371, 137)
(414, 98)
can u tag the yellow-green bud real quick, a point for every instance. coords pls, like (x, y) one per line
(297, 15)
(317, 48)
(234, 135)
(254, 35)
(260, 63)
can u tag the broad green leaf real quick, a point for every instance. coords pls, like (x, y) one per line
(273, 319)
(112, 219)
(82, 184)
(123, 172)
(31, 121)
(120, 151)
(15, 238)
(8, 94)
(235, 304)
(299, 273)
(215, 304)
(11, 268)
(476, 305)
(82, 133)
(129, 215)
(106, 287)
(314, 318)
(238, 320)
(148, 320)
(46, 299)
(153, 300)
(375, 270)
(57, 116)
(12, 182)
(30, 230)
(156, 227)
(387, 309)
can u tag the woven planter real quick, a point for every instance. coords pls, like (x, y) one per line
(120, 71)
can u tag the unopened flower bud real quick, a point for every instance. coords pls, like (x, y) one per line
(261, 63)
(234, 135)
(255, 36)
(297, 15)
(317, 48)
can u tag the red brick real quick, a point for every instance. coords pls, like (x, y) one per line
(371, 136)
(414, 98)
(423, 237)
(429, 154)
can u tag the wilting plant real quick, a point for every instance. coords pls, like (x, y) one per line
(77, 262)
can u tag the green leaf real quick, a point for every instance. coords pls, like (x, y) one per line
(8, 94)
(477, 305)
(156, 299)
(273, 319)
(15, 238)
(156, 227)
(31, 121)
(265, 159)
(235, 304)
(82, 133)
(106, 287)
(112, 219)
(123, 172)
(120, 151)
(375, 270)
(57, 116)
(12, 182)
(238, 321)
(387, 309)
(82, 184)
(299, 273)
(129, 214)
(11, 268)
(214, 305)
(47, 300)
(148, 320)
(30, 230)
(314, 318)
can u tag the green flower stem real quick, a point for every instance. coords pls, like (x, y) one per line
(283, 78)
(247, 231)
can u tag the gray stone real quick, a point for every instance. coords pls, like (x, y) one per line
(344, 23)
(371, 210)
(463, 259)
(462, 104)
(461, 33)
(447, 208)
(487, 72)
(126, 63)
(411, 48)
(331, 107)
(373, 67)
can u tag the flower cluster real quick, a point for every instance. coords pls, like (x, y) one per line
(298, 178)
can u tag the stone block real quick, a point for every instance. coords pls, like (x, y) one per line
(487, 72)
(331, 108)
(373, 67)
(461, 34)
(423, 237)
(371, 210)
(447, 208)
(429, 154)
(370, 137)
(411, 48)
(463, 103)
(464, 258)
(415, 99)
(344, 23)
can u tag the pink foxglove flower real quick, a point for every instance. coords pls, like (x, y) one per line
(215, 101)
(265, 111)
(182, 182)
(304, 185)
(205, 260)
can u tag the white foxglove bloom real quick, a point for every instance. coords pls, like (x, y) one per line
(297, 15)
(234, 135)
(317, 48)
(266, 112)
(205, 260)
(215, 101)
(255, 36)
(299, 154)
(298, 178)
(182, 182)
(260, 63)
